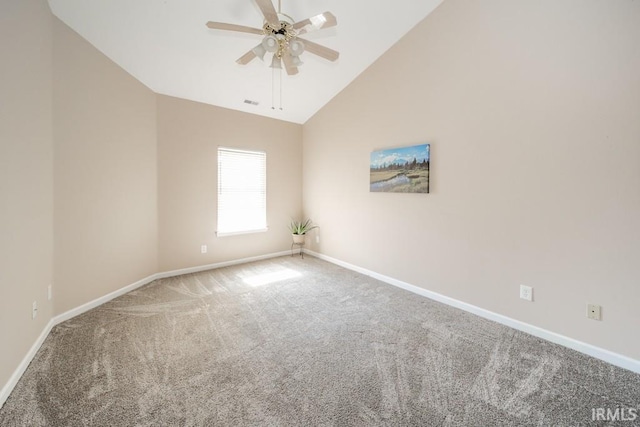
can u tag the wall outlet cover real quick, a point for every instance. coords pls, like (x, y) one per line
(526, 292)
(594, 311)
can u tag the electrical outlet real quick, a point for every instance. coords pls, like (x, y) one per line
(203, 249)
(317, 239)
(50, 292)
(594, 312)
(34, 310)
(526, 292)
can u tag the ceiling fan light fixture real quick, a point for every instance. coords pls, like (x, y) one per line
(296, 47)
(259, 51)
(270, 44)
(276, 63)
(295, 60)
(280, 34)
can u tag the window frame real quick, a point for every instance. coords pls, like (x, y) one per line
(220, 190)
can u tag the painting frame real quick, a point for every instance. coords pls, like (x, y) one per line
(404, 169)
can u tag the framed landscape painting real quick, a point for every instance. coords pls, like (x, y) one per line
(400, 170)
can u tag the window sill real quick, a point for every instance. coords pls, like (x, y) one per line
(239, 233)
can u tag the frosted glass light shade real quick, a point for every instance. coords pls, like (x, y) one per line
(276, 63)
(295, 60)
(259, 51)
(270, 44)
(296, 48)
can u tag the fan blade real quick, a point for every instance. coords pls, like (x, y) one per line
(321, 51)
(269, 12)
(234, 27)
(288, 65)
(246, 58)
(318, 22)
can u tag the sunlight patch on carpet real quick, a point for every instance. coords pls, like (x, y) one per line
(271, 277)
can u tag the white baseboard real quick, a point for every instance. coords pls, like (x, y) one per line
(588, 349)
(8, 387)
(180, 272)
(99, 301)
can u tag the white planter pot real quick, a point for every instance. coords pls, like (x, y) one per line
(298, 239)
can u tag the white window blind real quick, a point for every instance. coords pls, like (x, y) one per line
(242, 191)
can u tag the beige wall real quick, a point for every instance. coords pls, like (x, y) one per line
(26, 171)
(189, 134)
(533, 112)
(105, 174)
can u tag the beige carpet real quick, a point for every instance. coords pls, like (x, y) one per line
(293, 342)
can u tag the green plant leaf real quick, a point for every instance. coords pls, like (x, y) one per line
(301, 227)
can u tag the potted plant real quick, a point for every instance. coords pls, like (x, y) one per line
(299, 229)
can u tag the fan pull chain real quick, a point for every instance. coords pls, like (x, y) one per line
(280, 72)
(273, 88)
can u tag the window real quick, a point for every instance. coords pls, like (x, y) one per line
(242, 191)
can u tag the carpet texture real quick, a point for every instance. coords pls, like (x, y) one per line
(293, 342)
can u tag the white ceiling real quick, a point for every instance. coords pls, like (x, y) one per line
(166, 45)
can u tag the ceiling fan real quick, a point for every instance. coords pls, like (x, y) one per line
(281, 37)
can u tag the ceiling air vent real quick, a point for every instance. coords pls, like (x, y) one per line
(250, 102)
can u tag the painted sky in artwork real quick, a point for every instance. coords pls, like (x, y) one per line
(400, 155)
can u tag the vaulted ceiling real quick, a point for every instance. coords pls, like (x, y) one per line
(166, 45)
